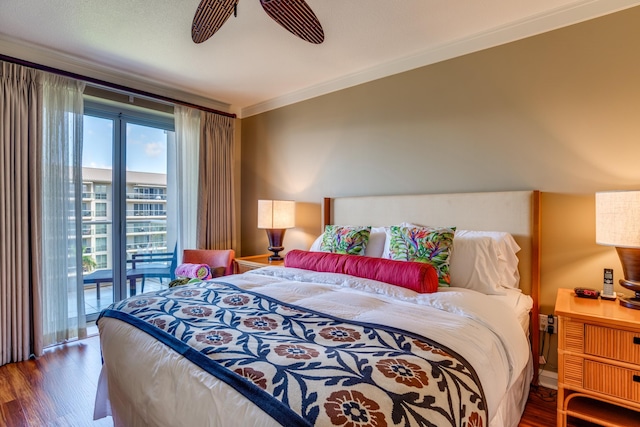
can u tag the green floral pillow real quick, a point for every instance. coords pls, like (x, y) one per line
(423, 244)
(345, 239)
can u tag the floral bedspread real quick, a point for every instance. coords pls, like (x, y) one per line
(308, 368)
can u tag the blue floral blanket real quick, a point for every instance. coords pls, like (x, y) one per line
(306, 368)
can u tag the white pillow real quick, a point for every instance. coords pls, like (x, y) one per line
(377, 241)
(473, 265)
(315, 246)
(506, 249)
(374, 248)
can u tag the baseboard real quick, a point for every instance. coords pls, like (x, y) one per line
(548, 379)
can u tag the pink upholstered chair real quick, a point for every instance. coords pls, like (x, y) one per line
(212, 257)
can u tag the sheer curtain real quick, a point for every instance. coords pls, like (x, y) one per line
(62, 286)
(20, 151)
(187, 126)
(216, 216)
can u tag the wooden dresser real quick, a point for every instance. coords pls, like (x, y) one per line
(247, 263)
(598, 361)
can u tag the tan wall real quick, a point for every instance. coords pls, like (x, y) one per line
(558, 112)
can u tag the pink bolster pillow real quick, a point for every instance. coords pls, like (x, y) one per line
(417, 276)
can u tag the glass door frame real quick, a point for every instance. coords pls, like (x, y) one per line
(121, 115)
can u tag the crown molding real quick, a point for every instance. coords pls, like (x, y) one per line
(579, 11)
(65, 62)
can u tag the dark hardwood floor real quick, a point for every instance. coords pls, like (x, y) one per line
(58, 389)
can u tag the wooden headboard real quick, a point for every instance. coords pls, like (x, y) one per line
(517, 212)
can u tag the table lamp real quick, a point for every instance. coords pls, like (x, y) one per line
(276, 216)
(618, 224)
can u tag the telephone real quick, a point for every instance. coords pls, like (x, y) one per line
(607, 285)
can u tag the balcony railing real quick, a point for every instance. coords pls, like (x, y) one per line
(145, 212)
(136, 228)
(147, 246)
(141, 196)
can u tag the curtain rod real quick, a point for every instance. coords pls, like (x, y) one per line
(111, 85)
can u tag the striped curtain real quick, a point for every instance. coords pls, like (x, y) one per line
(20, 213)
(216, 216)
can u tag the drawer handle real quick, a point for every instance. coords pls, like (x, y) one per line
(636, 378)
(636, 340)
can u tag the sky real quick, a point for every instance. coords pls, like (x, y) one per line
(146, 148)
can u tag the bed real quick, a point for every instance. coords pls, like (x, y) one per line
(335, 348)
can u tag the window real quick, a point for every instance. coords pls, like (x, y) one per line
(101, 261)
(86, 246)
(101, 210)
(100, 229)
(149, 209)
(101, 244)
(86, 191)
(101, 192)
(86, 209)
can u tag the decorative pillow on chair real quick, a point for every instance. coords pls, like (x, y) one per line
(351, 240)
(423, 244)
(194, 271)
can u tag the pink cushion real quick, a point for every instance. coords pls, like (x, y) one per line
(417, 276)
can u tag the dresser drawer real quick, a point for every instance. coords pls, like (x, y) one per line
(573, 333)
(612, 380)
(611, 343)
(573, 370)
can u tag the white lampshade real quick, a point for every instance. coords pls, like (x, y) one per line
(277, 214)
(618, 219)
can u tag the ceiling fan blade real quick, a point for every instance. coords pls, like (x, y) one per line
(296, 17)
(209, 17)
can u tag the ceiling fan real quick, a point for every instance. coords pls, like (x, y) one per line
(294, 15)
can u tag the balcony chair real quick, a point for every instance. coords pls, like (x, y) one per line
(153, 265)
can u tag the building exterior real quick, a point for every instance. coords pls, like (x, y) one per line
(146, 215)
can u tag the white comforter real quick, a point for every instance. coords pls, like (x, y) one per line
(150, 384)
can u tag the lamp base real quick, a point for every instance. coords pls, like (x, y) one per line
(630, 260)
(275, 235)
(631, 302)
(275, 256)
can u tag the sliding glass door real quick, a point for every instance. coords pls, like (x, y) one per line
(128, 204)
(97, 212)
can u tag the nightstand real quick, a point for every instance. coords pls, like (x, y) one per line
(598, 361)
(247, 263)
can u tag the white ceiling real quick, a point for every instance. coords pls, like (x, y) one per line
(252, 64)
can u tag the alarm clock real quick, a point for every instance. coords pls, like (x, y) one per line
(586, 293)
